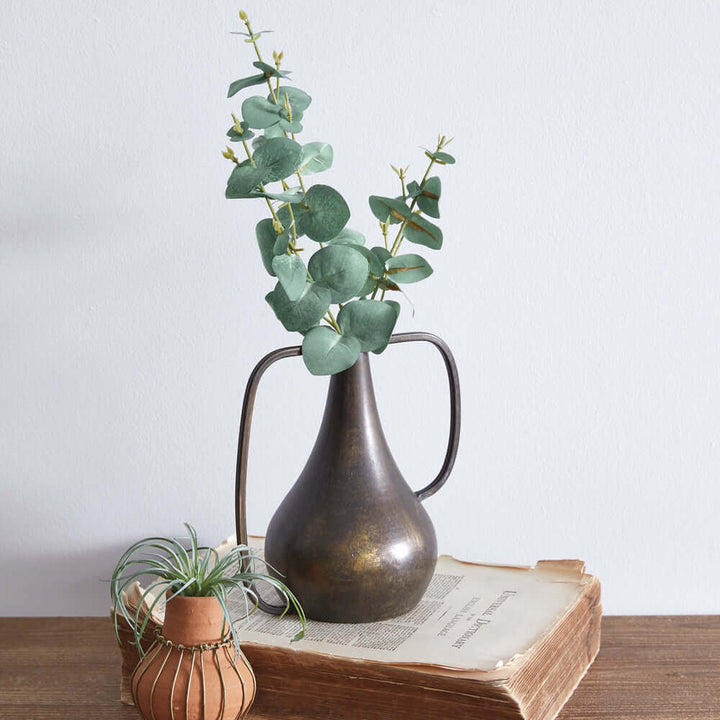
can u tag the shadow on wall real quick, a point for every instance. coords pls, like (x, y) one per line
(73, 583)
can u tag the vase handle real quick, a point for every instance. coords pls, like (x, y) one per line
(454, 383)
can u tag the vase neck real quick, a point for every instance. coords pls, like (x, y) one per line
(193, 620)
(351, 397)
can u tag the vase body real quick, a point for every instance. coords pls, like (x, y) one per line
(188, 673)
(351, 539)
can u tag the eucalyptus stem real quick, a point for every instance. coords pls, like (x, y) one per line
(269, 84)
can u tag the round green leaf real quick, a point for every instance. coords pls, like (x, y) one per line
(326, 213)
(326, 353)
(340, 268)
(299, 100)
(257, 112)
(268, 70)
(291, 273)
(242, 181)
(316, 157)
(246, 134)
(266, 237)
(348, 237)
(277, 158)
(370, 321)
(382, 252)
(408, 268)
(292, 195)
(305, 312)
(384, 208)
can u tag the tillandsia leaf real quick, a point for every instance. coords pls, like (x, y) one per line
(348, 237)
(238, 85)
(326, 353)
(408, 268)
(235, 136)
(316, 157)
(341, 269)
(422, 232)
(243, 181)
(277, 158)
(298, 99)
(441, 158)
(392, 209)
(260, 113)
(305, 312)
(427, 195)
(266, 239)
(324, 215)
(370, 321)
(292, 274)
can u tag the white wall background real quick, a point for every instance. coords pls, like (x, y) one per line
(578, 285)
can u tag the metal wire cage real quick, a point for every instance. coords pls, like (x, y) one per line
(199, 682)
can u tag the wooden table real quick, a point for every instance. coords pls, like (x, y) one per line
(648, 667)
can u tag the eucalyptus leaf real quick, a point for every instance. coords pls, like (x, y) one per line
(277, 158)
(281, 243)
(292, 126)
(377, 282)
(274, 131)
(238, 85)
(291, 273)
(375, 265)
(382, 252)
(270, 71)
(292, 195)
(370, 321)
(384, 208)
(246, 134)
(326, 213)
(348, 237)
(340, 268)
(259, 113)
(422, 232)
(442, 158)
(266, 238)
(298, 99)
(242, 181)
(326, 353)
(408, 268)
(316, 157)
(427, 195)
(305, 312)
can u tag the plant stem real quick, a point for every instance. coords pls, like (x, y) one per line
(269, 84)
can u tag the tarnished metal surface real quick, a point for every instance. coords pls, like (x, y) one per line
(351, 538)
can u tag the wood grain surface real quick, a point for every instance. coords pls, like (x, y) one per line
(648, 668)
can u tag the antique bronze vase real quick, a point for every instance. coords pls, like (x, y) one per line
(351, 539)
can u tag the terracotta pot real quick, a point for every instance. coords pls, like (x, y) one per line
(189, 673)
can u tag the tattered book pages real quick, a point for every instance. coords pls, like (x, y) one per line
(472, 617)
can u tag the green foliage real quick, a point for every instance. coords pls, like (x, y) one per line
(370, 321)
(194, 571)
(304, 312)
(325, 352)
(408, 268)
(343, 270)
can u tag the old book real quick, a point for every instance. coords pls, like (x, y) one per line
(486, 641)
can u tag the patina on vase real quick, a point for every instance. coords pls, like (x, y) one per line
(351, 539)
